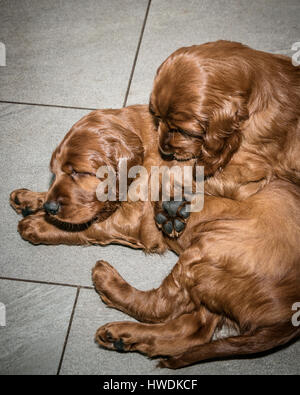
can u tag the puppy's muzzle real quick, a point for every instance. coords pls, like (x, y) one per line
(52, 207)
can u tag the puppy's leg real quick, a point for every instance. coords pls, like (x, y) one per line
(37, 230)
(26, 202)
(175, 296)
(168, 301)
(165, 339)
(261, 309)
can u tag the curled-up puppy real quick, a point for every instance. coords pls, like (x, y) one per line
(235, 110)
(70, 211)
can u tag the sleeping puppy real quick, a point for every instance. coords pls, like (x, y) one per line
(239, 261)
(70, 212)
(236, 110)
(233, 109)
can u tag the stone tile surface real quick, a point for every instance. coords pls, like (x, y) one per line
(271, 25)
(37, 319)
(72, 53)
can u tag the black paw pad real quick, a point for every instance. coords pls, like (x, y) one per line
(119, 345)
(179, 225)
(168, 227)
(26, 211)
(171, 207)
(160, 218)
(184, 212)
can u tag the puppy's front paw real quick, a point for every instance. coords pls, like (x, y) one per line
(171, 217)
(32, 228)
(26, 202)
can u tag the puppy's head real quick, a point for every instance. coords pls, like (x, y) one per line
(98, 139)
(199, 101)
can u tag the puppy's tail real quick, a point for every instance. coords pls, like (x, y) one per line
(261, 340)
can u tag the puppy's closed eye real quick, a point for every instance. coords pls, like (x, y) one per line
(76, 173)
(187, 132)
(156, 117)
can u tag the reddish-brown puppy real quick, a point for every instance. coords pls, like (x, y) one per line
(235, 109)
(70, 213)
(239, 261)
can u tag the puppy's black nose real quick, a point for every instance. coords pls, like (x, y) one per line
(51, 207)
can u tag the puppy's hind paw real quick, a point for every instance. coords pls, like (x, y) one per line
(171, 217)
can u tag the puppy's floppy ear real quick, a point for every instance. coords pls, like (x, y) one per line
(125, 145)
(119, 141)
(222, 136)
(131, 148)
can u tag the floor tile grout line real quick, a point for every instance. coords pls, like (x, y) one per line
(47, 105)
(47, 283)
(129, 82)
(68, 332)
(137, 53)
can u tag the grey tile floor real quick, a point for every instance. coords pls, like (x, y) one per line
(64, 59)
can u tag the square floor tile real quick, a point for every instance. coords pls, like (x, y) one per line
(84, 356)
(271, 25)
(37, 319)
(71, 52)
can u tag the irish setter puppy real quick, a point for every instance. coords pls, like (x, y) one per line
(70, 212)
(236, 110)
(239, 261)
